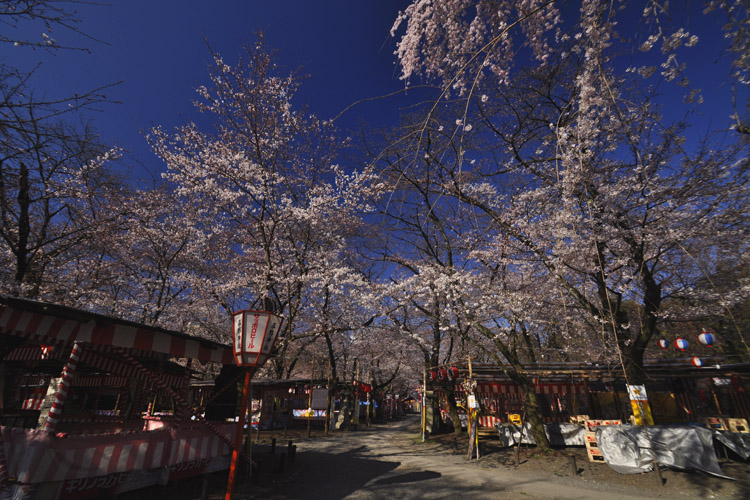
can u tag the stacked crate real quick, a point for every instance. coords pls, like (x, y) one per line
(737, 425)
(726, 424)
(592, 448)
(714, 423)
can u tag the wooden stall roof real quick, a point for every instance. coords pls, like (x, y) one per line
(714, 366)
(53, 324)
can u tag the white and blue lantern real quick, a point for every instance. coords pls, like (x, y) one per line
(681, 344)
(696, 361)
(663, 344)
(706, 338)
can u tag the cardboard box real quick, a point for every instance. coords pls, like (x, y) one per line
(737, 425)
(595, 455)
(578, 419)
(714, 423)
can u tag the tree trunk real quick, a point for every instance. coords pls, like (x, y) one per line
(533, 412)
(450, 394)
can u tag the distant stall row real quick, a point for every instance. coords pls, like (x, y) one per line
(677, 392)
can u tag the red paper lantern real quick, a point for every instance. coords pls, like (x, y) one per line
(452, 373)
(443, 374)
(433, 376)
(254, 334)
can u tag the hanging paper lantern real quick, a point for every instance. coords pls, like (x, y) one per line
(696, 361)
(255, 334)
(443, 374)
(452, 373)
(681, 344)
(433, 376)
(663, 344)
(706, 338)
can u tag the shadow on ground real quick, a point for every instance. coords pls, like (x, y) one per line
(409, 477)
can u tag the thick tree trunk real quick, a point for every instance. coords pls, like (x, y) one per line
(533, 412)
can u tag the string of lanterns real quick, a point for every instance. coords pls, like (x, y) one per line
(706, 338)
(444, 374)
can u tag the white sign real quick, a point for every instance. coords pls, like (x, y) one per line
(637, 393)
(255, 327)
(472, 401)
(273, 325)
(319, 399)
(238, 333)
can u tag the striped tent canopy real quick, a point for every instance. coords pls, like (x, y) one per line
(51, 324)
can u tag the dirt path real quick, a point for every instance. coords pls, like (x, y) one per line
(388, 462)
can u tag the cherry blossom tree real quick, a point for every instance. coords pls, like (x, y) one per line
(452, 293)
(584, 191)
(266, 180)
(57, 187)
(55, 184)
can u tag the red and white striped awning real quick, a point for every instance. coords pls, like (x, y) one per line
(23, 318)
(515, 390)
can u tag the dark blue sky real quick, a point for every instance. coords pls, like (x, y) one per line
(157, 49)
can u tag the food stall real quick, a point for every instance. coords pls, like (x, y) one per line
(92, 405)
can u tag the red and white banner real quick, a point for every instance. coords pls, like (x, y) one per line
(488, 421)
(35, 456)
(51, 329)
(489, 388)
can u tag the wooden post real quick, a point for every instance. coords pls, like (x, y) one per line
(249, 442)
(329, 401)
(310, 411)
(424, 401)
(238, 436)
(472, 434)
(369, 400)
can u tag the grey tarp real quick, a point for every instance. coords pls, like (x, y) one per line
(631, 450)
(738, 443)
(559, 434)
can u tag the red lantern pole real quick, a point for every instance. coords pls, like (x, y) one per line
(238, 436)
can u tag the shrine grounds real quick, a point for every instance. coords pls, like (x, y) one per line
(390, 461)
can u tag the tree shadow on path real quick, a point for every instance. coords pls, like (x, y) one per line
(409, 477)
(330, 476)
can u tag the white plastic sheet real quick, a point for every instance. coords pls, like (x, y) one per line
(559, 434)
(631, 450)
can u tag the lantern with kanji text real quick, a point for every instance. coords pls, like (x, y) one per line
(254, 334)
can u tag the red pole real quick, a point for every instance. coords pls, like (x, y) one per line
(238, 436)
